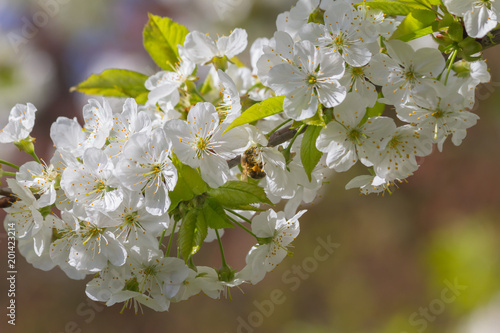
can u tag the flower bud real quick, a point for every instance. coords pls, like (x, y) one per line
(26, 145)
(226, 273)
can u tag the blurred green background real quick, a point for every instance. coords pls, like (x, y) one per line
(424, 259)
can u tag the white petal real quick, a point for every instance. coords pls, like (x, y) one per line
(234, 44)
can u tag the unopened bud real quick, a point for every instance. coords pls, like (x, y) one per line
(226, 273)
(26, 145)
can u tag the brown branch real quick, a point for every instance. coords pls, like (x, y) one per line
(487, 42)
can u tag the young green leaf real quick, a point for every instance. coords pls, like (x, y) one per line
(375, 111)
(192, 233)
(432, 2)
(215, 215)
(456, 31)
(316, 120)
(417, 24)
(235, 194)
(115, 83)
(392, 7)
(161, 36)
(309, 154)
(188, 185)
(266, 108)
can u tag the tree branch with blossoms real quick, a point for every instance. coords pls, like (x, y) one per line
(188, 158)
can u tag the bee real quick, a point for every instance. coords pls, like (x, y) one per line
(7, 201)
(251, 165)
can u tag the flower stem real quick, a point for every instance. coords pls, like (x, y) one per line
(286, 152)
(9, 164)
(240, 216)
(221, 249)
(35, 157)
(296, 136)
(254, 86)
(167, 253)
(196, 92)
(6, 173)
(242, 227)
(277, 128)
(161, 238)
(452, 60)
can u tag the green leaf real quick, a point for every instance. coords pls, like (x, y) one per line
(446, 21)
(374, 111)
(115, 83)
(456, 31)
(389, 7)
(433, 2)
(192, 233)
(417, 24)
(142, 98)
(309, 154)
(215, 215)
(235, 60)
(317, 119)
(161, 36)
(421, 4)
(469, 47)
(189, 184)
(236, 194)
(258, 111)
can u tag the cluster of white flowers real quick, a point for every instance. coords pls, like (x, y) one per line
(128, 179)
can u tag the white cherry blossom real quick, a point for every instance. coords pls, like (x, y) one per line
(164, 85)
(347, 139)
(98, 122)
(440, 117)
(153, 280)
(146, 166)
(68, 136)
(480, 16)
(310, 80)
(279, 50)
(85, 246)
(21, 122)
(406, 75)
(125, 124)
(199, 142)
(398, 159)
(229, 108)
(342, 34)
(204, 279)
(279, 232)
(201, 48)
(29, 221)
(92, 183)
(41, 179)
